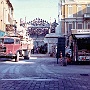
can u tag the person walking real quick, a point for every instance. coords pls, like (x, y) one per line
(63, 60)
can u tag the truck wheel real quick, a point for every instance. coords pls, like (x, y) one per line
(17, 57)
(29, 53)
(27, 56)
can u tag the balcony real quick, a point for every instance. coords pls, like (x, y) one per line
(86, 16)
(81, 33)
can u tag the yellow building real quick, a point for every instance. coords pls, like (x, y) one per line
(6, 16)
(75, 16)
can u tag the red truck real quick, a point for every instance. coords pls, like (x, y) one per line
(13, 47)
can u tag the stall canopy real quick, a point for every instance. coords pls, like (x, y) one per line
(82, 36)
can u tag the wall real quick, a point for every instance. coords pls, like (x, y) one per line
(5, 15)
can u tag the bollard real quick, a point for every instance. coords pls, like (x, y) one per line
(64, 61)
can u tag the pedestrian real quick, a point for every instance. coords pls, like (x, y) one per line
(63, 61)
(61, 58)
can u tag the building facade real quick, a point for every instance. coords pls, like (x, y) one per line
(75, 15)
(6, 16)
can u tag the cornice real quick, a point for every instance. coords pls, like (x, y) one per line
(9, 3)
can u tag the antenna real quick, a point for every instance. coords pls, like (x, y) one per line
(50, 26)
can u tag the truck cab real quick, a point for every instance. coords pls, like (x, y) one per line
(13, 47)
(9, 47)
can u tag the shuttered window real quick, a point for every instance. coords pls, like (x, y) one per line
(79, 10)
(70, 11)
(88, 8)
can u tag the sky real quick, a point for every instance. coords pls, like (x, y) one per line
(31, 9)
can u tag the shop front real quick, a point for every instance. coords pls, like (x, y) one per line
(2, 33)
(81, 45)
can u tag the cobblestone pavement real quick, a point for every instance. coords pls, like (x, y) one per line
(69, 82)
(43, 74)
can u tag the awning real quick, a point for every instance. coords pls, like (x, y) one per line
(82, 36)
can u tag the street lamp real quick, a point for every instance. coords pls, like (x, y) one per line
(50, 26)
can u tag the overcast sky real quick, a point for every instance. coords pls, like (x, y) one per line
(32, 9)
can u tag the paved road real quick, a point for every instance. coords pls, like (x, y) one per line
(43, 74)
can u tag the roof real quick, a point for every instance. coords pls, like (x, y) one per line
(82, 36)
(53, 35)
(13, 37)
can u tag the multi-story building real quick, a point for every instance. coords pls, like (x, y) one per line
(6, 16)
(75, 22)
(75, 15)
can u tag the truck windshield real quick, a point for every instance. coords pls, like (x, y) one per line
(6, 41)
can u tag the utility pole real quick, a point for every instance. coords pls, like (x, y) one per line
(25, 27)
(60, 16)
(50, 26)
(15, 26)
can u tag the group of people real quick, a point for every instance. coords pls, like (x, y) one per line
(40, 49)
(65, 60)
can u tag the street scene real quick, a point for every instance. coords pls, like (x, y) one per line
(44, 45)
(40, 73)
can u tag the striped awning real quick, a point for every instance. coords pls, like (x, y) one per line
(82, 36)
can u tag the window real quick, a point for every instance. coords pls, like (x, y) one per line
(88, 25)
(69, 0)
(74, 25)
(79, 10)
(1, 41)
(17, 41)
(70, 11)
(79, 26)
(69, 26)
(8, 41)
(88, 8)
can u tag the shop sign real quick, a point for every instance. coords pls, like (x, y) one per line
(83, 31)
